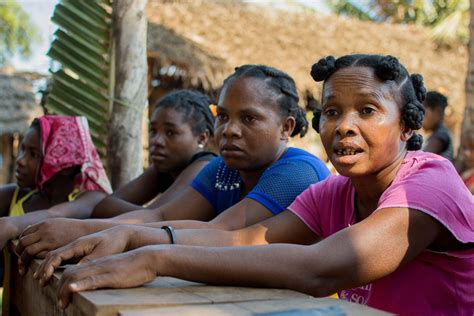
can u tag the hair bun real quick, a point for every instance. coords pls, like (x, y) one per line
(323, 68)
(388, 68)
(315, 120)
(415, 142)
(420, 89)
(413, 114)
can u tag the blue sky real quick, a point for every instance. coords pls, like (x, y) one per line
(40, 12)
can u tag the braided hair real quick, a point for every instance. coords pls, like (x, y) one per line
(283, 85)
(386, 68)
(193, 105)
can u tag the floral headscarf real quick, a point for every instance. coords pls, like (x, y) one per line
(66, 142)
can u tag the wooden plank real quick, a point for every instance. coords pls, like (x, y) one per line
(27, 297)
(282, 307)
(225, 294)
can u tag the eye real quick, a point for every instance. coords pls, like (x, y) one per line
(368, 110)
(249, 118)
(152, 132)
(170, 133)
(221, 116)
(35, 155)
(330, 112)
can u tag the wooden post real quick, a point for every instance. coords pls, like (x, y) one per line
(124, 150)
(468, 117)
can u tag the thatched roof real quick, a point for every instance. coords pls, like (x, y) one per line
(17, 102)
(205, 40)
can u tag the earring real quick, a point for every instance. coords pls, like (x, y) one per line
(200, 146)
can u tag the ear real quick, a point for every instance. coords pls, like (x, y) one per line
(203, 138)
(406, 133)
(288, 127)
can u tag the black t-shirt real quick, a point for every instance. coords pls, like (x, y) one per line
(444, 136)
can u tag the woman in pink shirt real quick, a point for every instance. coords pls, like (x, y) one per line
(394, 230)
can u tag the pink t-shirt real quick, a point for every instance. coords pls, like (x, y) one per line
(434, 283)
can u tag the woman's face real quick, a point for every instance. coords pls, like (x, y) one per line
(172, 141)
(360, 123)
(432, 118)
(249, 128)
(29, 159)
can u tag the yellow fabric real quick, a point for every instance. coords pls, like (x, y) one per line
(73, 195)
(16, 206)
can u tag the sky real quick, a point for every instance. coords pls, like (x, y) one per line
(40, 12)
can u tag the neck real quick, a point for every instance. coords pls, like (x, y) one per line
(175, 173)
(58, 189)
(250, 177)
(369, 188)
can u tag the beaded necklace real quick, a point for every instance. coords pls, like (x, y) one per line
(227, 179)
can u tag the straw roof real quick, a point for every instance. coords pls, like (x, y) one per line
(17, 102)
(205, 40)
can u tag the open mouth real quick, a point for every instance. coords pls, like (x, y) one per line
(347, 152)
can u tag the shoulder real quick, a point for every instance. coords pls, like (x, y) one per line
(298, 153)
(7, 191)
(429, 183)
(427, 164)
(203, 156)
(332, 186)
(330, 191)
(442, 133)
(6, 195)
(422, 170)
(301, 158)
(214, 170)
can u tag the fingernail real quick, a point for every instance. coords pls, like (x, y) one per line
(35, 275)
(20, 271)
(73, 286)
(61, 304)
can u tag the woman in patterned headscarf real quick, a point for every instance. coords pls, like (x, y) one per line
(57, 163)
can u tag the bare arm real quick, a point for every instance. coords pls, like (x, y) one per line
(243, 214)
(51, 234)
(144, 189)
(180, 184)
(80, 208)
(349, 258)
(272, 230)
(191, 206)
(126, 237)
(130, 197)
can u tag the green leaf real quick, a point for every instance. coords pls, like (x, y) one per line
(82, 48)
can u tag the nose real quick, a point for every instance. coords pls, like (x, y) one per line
(20, 159)
(157, 140)
(346, 125)
(231, 129)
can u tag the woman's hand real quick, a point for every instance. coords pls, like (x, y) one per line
(124, 270)
(108, 242)
(36, 240)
